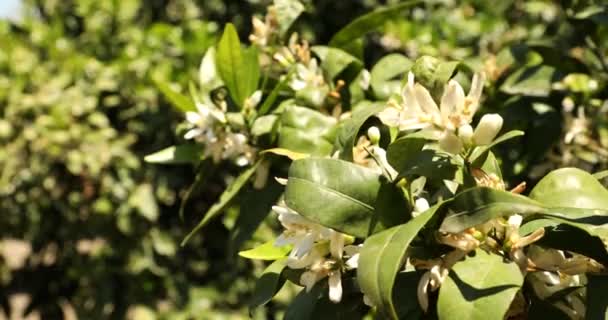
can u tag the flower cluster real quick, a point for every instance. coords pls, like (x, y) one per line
(209, 126)
(451, 121)
(320, 251)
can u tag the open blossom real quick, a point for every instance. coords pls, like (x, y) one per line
(203, 121)
(299, 231)
(319, 250)
(418, 110)
(209, 128)
(307, 75)
(450, 121)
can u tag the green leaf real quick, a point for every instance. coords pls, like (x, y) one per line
(181, 102)
(286, 153)
(249, 73)
(601, 175)
(334, 61)
(238, 68)
(287, 11)
(264, 125)
(335, 193)
(255, 206)
(567, 237)
(433, 164)
(303, 305)
(382, 257)
(266, 251)
(480, 287)
(383, 75)
(479, 151)
(403, 152)
(269, 283)
(187, 153)
(208, 77)
(144, 201)
(480, 204)
(305, 130)
(433, 73)
(597, 304)
(274, 94)
(348, 130)
(368, 23)
(533, 81)
(571, 187)
(231, 191)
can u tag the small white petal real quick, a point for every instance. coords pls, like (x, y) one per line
(422, 291)
(193, 117)
(487, 129)
(465, 133)
(477, 86)
(452, 100)
(297, 84)
(515, 220)
(353, 261)
(421, 205)
(193, 133)
(425, 101)
(303, 246)
(335, 287)
(282, 240)
(281, 181)
(449, 142)
(351, 250)
(390, 116)
(336, 244)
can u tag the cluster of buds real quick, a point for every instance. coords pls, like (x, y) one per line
(263, 31)
(294, 52)
(450, 121)
(320, 251)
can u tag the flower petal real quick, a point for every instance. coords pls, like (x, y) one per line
(335, 287)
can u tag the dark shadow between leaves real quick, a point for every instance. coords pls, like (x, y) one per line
(471, 293)
(431, 164)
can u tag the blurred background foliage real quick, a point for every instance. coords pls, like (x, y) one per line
(90, 231)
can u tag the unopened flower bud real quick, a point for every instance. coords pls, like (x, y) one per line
(449, 142)
(465, 133)
(373, 133)
(487, 129)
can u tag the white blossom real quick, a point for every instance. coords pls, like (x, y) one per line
(307, 75)
(487, 129)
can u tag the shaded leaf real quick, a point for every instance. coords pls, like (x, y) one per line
(335, 193)
(597, 304)
(225, 198)
(334, 61)
(181, 102)
(287, 11)
(305, 130)
(368, 23)
(531, 81)
(571, 187)
(269, 283)
(383, 75)
(480, 204)
(480, 287)
(348, 130)
(187, 153)
(266, 251)
(381, 258)
(479, 151)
